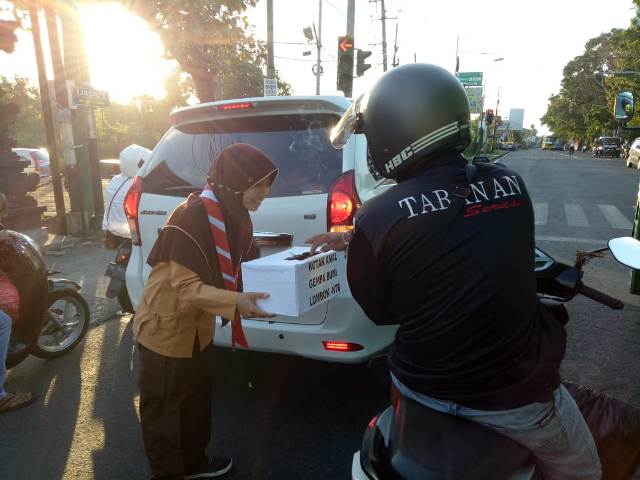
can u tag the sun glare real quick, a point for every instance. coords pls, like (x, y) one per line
(125, 57)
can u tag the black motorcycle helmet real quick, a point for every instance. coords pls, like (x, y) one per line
(410, 114)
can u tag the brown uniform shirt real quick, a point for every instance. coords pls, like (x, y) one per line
(175, 306)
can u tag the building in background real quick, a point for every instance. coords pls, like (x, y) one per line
(516, 119)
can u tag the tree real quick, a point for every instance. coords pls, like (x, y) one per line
(581, 109)
(28, 128)
(212, 42)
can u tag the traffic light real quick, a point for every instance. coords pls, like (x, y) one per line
(489, 117)
(345, 64)
(361, 67)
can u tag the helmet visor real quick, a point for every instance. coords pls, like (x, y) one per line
(347, 126)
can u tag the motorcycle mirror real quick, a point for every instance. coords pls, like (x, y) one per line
(623, 107)
(626, 250)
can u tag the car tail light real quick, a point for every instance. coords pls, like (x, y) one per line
(342, 203)
(341, 346)
(131, 203)
(235, 106)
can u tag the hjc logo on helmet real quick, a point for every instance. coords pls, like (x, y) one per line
(398, 159)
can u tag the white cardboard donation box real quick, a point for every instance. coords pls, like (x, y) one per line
(295, 286)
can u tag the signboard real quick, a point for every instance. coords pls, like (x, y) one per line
(474, 94)
(295, 286)
(90, 97)
(270, 87)
(470, 79)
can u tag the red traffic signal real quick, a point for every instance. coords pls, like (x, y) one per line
(345, 44)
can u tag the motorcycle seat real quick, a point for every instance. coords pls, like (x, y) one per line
(428, 445)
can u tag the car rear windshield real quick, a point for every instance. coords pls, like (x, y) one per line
(610, 141)
(298, 144)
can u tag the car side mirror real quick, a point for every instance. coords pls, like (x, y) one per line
(480, 159)
(3, 204)
(623, 109)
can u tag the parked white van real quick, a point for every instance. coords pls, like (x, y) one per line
(318, 189)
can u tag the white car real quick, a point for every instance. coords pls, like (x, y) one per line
(318, 189)
(38, 159)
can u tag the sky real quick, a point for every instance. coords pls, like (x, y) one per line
(534, 39)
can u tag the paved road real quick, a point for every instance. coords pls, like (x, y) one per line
(288, 418)
(580, 202)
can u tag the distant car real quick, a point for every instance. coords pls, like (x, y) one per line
(558, 146)
(634, 154)
(38, 159)
(607, 147)
(510, 146)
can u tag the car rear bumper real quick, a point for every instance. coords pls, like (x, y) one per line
(344, 321)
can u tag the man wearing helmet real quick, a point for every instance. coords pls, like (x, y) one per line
(447, 254)
(114, 221)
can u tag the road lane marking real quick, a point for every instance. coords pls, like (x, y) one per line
(541, 213)
(615, 217)
(575, 215)
(590, 241)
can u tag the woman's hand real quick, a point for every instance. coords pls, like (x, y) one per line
(247, 307)
(331, 240)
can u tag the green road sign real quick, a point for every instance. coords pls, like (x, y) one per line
(89, 97)
(474, 94)
(470, 79)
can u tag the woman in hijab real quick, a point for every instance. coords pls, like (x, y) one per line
(195, 276)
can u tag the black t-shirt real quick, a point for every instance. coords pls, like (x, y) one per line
(458, 277)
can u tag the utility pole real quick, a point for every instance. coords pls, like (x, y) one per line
(384, 37)
(457, 57)
(83, 120)
(495, 122)
(49, 124)
(271, 71)
(63, 117)
(318, 35)
(395, 62)
(351, 21)
(351, 18)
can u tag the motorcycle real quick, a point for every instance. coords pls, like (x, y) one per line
(53, 317)
(116, 272)
(410, 441)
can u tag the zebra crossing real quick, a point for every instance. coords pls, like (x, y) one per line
(575, 215)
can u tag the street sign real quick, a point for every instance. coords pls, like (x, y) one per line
(270, 87)
(470, 79)
(474, 94)
(90, 97)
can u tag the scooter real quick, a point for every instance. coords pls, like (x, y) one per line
(116, 272)
(409, 441)
(53, 317)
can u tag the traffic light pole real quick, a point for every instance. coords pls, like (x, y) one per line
(319, 46)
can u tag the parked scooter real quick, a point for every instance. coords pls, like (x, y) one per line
(409, 441)
(116, 271)
(53, 316)
(115, 222)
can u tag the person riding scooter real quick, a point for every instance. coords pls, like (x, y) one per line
(114, 222)
(447, 255)
(9, 311)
